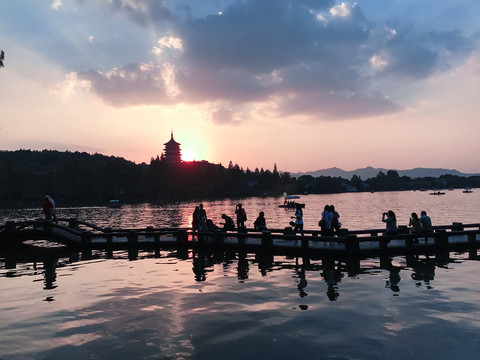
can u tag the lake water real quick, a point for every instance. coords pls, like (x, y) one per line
(222, 305)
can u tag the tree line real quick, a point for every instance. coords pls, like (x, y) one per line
(79, 178)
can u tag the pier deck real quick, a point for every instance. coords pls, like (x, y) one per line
(76, 233)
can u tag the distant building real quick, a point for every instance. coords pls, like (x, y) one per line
(172, 152)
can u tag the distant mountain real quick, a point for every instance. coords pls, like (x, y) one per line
(369, 172)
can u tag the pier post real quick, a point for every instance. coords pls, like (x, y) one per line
(409, 243)
(441, 240)
(352, 245)
(403, 229)
(200, 237)
(267, 240)
(383, 244)
(218, 238)
(132, 237)
(73, 223)
(305, 242)
(441, 237)
(472, 249)
(86, 238)
(342, 232)
(353, 266)
(109, 236)
(149, 231)
(156, 239)
(182, 238)
(241, 240)
(472, 238)
(457, 226)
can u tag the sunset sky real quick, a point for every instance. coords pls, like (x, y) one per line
(305, 84)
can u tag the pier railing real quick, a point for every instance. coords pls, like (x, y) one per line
(80, 233)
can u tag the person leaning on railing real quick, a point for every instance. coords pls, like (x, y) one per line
(391, 223)
(426, 222)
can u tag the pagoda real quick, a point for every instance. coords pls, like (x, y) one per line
(172, 151)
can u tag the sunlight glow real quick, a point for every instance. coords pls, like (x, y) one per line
(188, 155)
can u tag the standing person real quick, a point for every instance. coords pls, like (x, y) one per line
(54, 211)
(415, 224)
(326, 221)
(335, 223)
(298, 220)
(202, 218)
(241, 216)
(202, 213)
(260, 223)
(196, 218)
(426, 222)
(390, 220)
(48, 207)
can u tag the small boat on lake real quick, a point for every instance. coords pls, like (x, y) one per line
(467, 190)
(290, 202)
(437, 192)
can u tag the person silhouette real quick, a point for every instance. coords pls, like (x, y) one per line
(298, 220)
(260, 223)
(241, 216)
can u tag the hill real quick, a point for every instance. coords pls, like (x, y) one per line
(370, 172)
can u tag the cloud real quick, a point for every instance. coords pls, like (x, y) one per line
(168, 42)
(143, 12)
(56, 4)
(135, 84)
(69, 86)
(226, 117)
(337, 106)
(314, 58)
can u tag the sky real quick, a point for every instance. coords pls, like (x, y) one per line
(303, 84)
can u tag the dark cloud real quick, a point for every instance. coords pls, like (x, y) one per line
(142, 12)
(418, 55)
(136, 84)
(337, 106)
(306, 56)
(206, 84)
(257, 35)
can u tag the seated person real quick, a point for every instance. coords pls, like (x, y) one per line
(229, 223)
(260, 223)
(416, 225)
(426, 222)
(211, 226)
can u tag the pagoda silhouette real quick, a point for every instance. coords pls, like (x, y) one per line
(172, 151)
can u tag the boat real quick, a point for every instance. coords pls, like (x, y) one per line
(437, 192)
(290, 202)
(467, 190)
(114, 204)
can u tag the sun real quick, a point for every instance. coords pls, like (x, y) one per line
(188, 155)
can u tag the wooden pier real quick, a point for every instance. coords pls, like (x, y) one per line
(358, 243)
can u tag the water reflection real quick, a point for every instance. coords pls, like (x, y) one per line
(394, 274)
(169, 304)
(421, 268)
(332, 273)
